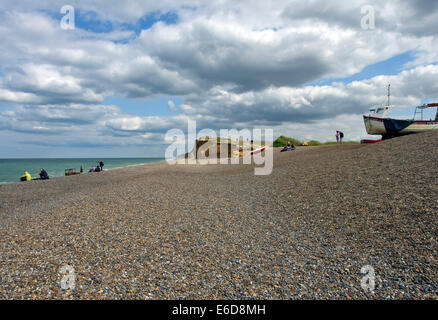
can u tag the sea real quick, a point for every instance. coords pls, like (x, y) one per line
(12, 169)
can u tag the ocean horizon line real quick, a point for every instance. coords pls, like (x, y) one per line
(56, 158)
(11, 169)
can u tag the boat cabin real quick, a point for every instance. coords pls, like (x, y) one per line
(380, 111)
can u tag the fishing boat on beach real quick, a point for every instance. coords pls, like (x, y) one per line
(378, 123)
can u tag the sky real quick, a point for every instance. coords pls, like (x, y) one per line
(112, 81)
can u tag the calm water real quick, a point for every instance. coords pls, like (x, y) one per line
(12, 169)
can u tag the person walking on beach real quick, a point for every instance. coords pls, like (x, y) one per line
(337, 136)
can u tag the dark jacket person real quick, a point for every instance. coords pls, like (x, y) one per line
(43, 174)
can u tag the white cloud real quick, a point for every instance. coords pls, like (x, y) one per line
(231, 64)
(309, 112)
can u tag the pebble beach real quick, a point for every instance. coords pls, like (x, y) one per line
(305, 231)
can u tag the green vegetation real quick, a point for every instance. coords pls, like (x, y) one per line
(281, 141)
(314, 143)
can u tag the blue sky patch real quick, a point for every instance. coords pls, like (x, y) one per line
(143, 107)
(90, 21)
(150, 19)
(391, 66)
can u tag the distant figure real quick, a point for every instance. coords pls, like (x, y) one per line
(341, 136)
(43, 174)
(97, 169)
(337, 136)
(101, 164)
(26, 176)
(82, 168)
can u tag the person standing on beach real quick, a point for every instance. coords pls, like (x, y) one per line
(337, 136)
(341, 136)
(101, 164)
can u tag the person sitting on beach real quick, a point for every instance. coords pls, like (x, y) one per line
(26, 176)
(288, 147)
(97, 169)
(43, 174)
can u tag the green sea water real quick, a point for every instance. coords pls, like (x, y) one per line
(12, 169)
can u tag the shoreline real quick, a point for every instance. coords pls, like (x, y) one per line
(56, 177)
(2, 183)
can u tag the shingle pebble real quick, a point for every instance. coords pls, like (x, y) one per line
(220, 232)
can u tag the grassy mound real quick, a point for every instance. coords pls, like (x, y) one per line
(281, 141)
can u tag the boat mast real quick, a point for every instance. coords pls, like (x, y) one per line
(389, 94)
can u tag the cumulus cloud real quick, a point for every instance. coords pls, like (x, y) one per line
(56, 119)
(274, 106)
(69, 66)
(47, 84)
(311, 112)
(230, 64)
(205, 49)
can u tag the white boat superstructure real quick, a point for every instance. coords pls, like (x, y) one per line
(378, 123)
